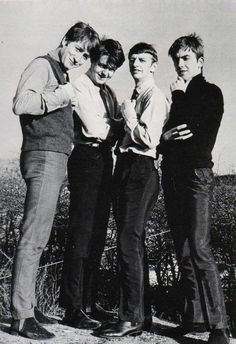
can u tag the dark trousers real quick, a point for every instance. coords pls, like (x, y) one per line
(187, 198)
(90, 177)
(135, 193)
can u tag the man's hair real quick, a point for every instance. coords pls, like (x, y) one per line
(110, 48)
(81, 31)
(141, 48)
(192, 41)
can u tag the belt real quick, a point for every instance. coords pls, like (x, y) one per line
(133, 155)
(92, 144)
(103, 145)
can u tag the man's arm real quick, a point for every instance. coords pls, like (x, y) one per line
(38, 92)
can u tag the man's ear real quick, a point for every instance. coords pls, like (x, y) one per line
(153, 67)
(201, 61)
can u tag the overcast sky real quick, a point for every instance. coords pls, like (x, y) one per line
(29, 28)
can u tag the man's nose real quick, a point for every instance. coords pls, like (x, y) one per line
(180, 62)
(105, 72)
(79, 58)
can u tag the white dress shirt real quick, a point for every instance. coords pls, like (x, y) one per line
(95, 121)
(145, 120)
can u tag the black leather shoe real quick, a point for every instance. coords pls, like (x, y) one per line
(219, 336)
(30, 329)
(121, 329)
(79, 319)
(183, 329)
(99, 313)
(42, 318)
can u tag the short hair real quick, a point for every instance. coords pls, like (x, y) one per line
(141, 48)
(192, 41)
(110, 48)
(81, 31)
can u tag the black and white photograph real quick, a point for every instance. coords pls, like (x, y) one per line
(117, 171)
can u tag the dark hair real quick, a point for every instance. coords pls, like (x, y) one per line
(82, 31)
(192, 41)
(142, 47)
(110, 48)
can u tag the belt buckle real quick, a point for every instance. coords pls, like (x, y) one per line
(94, 144)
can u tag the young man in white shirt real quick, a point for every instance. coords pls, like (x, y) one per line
(136, 186)
(90, 176)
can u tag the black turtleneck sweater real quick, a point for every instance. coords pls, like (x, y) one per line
(201, 108)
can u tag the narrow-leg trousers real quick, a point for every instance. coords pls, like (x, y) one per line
(44, 173)
(136, 186)
(90, 176)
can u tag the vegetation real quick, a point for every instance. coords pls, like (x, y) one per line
(163, 268)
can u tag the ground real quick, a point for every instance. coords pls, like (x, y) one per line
(68, 335)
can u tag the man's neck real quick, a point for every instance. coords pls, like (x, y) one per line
(140, 82)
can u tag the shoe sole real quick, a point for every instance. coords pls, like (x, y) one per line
(132, 334)
(81, 328)
(19, 334)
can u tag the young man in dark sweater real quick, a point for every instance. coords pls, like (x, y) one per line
(187, 141)
(44, 103)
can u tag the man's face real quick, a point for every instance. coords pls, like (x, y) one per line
(141, 66)
(73, 54)
(102, 71)
(186, 64)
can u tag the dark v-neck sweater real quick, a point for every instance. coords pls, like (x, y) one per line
(52, 131)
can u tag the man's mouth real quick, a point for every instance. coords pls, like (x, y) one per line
(74, 62)
(101, 76)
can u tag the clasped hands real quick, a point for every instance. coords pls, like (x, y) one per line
(128, 110)
(178, 85)
(70, 90)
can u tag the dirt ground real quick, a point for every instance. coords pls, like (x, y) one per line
(68, 335)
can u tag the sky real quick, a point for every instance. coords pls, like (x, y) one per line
(29, 28)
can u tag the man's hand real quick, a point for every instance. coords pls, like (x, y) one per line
(177, 133)
(127, 110)
(179, 84)
(70, 92)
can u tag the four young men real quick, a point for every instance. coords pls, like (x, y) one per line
(186, 143)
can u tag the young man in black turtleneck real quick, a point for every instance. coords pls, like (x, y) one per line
(188, 138)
